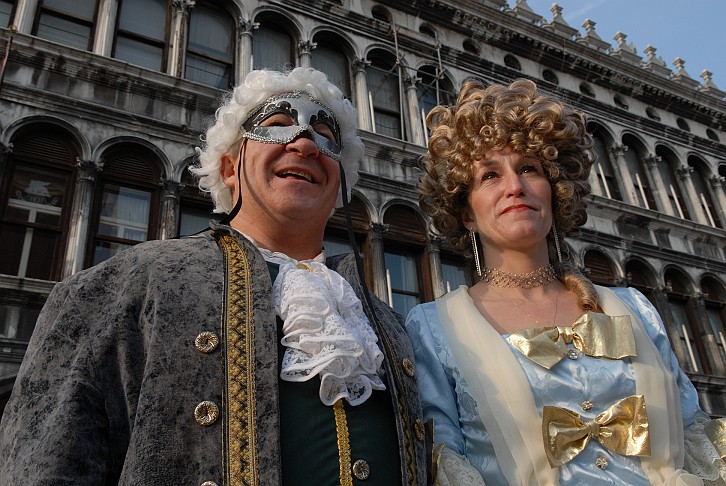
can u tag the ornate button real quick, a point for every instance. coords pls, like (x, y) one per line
(586, 405)
(206, 342)
(209, 483)
(408, 367)
(302, 266)
(419, 429)
(573, 353)
(361, 469)
(206, 413)
(601, 462)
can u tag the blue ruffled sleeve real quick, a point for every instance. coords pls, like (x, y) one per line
(435, 380)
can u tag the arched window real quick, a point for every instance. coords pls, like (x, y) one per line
(404, 257)
(330, 59)
(512, 62)
(638, 174)
(715, 300)
(68, 22)
(37, 189)
(699, 178)
(6, 12)
(550, 76)
(455, 271)
(141, 34)
(195, 207)
(336, 231)
(470, 47)
(639, 276)
(272, 45)
(433, 89)
(385, 93)
(678, 293)
(599, 268)
(127, 201)
(670, 182)
(603, 168)
(210, 46)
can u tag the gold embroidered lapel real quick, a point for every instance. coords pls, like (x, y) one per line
(239, 437)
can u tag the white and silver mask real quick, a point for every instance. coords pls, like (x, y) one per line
(307, 116)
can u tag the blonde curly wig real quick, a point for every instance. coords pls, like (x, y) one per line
(529, 122)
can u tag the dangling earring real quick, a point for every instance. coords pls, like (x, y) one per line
(475, 248)
(557, 242)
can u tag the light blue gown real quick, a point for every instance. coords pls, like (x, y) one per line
(445, 396)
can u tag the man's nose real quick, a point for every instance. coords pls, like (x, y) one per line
(304, 144)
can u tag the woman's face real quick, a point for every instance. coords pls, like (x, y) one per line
(510, 202)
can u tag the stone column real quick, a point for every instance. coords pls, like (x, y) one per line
(5, 151)
(78, 232)
(713, 356)
(25, 15)
(693, 202)
(657, 186)
(627, 188)
(305, 52)
(433, 248)
(378, 260)
(719, 197)
(244, 48)
(414, 111)
(170, 191)
(362, 102)
(105, 27)
(177, 46)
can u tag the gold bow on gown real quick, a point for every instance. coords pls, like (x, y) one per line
(622, 428)
(594, 334)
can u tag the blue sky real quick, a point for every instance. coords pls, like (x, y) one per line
(694, 30)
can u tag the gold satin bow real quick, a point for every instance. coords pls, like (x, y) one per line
(622, 428)
(594, 334)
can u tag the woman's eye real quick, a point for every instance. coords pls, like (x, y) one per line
(488, 175)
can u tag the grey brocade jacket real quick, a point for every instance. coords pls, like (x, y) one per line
(108, 388)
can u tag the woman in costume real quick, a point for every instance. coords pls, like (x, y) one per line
(534, 375)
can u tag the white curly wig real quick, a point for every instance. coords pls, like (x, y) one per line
(258, 86)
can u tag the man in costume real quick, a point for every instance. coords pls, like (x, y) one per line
(238, 355)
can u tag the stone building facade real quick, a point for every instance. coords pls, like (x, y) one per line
(102, 103)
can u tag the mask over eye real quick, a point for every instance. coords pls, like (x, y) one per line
(305, 115)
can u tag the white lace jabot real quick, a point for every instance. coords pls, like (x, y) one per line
(325, 330)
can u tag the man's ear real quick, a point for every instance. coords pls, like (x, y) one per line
(227, 169)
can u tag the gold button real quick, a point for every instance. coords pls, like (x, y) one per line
(408, 367)
(586, 405)
(209, 483)
(601, 462)
(206, 413)
(419, 429)
(302, 266)
(206, 342)
(361, 469)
